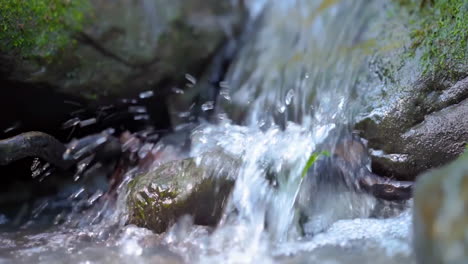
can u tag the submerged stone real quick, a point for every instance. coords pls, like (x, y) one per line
(182, 187)
(440, 217)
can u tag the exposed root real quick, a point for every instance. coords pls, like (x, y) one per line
(34, 144)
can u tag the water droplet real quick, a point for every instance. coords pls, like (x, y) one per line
(289, 97)
(281, 108)
(88, 122)
(190, 78)
(225, 94)
(77, 148)
(224, 85)
(95, 197)
(208, 106)
(184, 114)
(77, 193)
(137, 109)
(146, 94)
(13, 127)
(71, 123)
(177, 90)
(35, 164)
(142, 117)
(82, 165)
(144, 150)
(39, 209)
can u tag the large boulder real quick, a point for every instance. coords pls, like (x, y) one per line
(426, 129)
(417, 110)
(96, 48)
(440, 217)
(198, 187)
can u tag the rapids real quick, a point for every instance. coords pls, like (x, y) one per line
(300, 74)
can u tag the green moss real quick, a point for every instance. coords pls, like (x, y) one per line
(440, 31)
(39, 27)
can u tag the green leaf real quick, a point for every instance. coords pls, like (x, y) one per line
(311, 161)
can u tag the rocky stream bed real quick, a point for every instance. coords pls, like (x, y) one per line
(266, 131)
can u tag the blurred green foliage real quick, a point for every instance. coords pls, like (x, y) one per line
(39, 27)
(312, 159)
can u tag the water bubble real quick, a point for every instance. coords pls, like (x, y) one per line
(208, 106)
(146, 94)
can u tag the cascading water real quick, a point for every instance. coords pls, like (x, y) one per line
(297, 81)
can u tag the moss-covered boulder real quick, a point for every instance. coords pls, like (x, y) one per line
(96, 48)
(198, 187)
(417, 110)
(440, 217)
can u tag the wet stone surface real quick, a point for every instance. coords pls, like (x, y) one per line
(182, 187)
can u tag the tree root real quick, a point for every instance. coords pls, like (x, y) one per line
(44, 146)
(34, 144)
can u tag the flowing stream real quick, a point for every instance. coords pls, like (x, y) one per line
(300, 76)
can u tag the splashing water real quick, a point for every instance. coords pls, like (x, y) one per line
(299, 79)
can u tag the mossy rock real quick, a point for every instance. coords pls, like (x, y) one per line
(98, 48)
(39, 28)
(416, 113)
(440, 218)
(183, 187)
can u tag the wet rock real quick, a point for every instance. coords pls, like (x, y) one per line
(196, 186)
(416, 108)
(440, 218)
(124, 47)
(427, 128)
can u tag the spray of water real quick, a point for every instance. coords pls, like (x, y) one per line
(297, 80)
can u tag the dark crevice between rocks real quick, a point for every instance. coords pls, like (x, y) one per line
(38, 107)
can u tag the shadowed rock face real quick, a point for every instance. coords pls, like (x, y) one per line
(440, 218)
